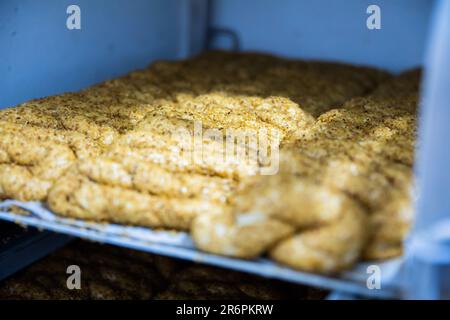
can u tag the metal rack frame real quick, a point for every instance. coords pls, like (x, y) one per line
(180, 245)
(428, 246)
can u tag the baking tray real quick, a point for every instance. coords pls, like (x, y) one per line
(180, 245)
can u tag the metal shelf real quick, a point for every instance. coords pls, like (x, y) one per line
(180, 245)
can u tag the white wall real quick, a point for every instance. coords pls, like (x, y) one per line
(329, 29)
(39, 56)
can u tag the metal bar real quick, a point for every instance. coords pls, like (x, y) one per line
(193, 28)
(428, 247)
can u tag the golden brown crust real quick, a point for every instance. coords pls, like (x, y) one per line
(357, 158)
(134, 168)
(76, 195)
(301, 224)
(221, 91)
(27, 170)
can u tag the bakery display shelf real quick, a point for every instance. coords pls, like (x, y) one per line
(180, 245)
(20, 247)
